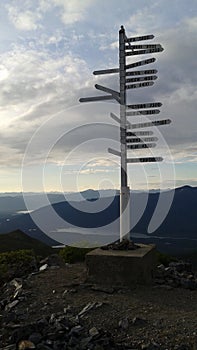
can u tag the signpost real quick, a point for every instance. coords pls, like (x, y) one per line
(143, 145)
(135, 86)
(138, 139)
(144, 160)
(142, 72)
(130, 140)
(151, 77)
(146, 112)
(145, 105)
(149, 124)
(142, 52)
(140, 63)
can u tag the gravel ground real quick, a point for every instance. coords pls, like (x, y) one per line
(166, 317)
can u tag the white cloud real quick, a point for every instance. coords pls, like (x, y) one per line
(73, 11)
(34, 86)
(69, 11)
(24, 19)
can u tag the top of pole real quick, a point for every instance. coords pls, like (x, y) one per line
(122, 30)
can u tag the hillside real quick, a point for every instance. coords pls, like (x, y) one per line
(18, 240)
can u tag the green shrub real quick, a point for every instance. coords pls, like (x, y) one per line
(73, 254)
(164, 259)
(16, 264)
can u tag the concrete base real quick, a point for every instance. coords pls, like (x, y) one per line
(121, 267)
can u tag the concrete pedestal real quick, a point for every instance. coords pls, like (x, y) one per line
(121, 267)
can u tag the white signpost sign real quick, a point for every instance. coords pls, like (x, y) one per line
(130, 140)
(145, 112)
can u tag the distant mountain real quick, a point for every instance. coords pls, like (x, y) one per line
(102, 215)
(12, 203)
(181, 220)
(18, 240)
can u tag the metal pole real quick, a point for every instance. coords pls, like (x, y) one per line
(124, 192)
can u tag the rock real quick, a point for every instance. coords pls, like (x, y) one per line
(11, 305)
(25, 345)
(67, 291)
(43, 267)
(108, 290)
(53, 260)
(177, 274)
(150, 346)
(125, 244)
(124, 323)
(35, 338)
(17, 283)
(76, 330)
(67, 309)
(43, 347)
(88, 307)
(181, 266)
(93, 331)
(137, 321)
(188, 283)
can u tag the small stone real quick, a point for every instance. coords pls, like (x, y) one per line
(76, 330)
(43, 267)
(150, 346)
(43, 347)
(67, 309)
(17, 283)
(124, 323)
(11, 305)
(73, 291)
(53, 260)
(93, 331)
(26, 345)
(35, 338)
(108, 290)
(137, 321)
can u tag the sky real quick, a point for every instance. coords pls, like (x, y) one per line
(48, 51)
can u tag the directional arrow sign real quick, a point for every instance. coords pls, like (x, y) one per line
(143, 47)
(149, 124)
(142, 72)
(140, 38)
(131, 80)
(106, 71)
(148, 145)
(96, 98)
(146, 112)
(113, 151)
(143, 52)
(145, 139)
(140, 63)
(135, 86)
(139, 133)
(144, 160)
(145, 105)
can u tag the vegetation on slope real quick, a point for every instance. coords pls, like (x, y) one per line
(18, 240)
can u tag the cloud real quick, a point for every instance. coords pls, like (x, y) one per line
(34, 86)
(54, 45)
(24, 20)
(28, 16)
(72, 11)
